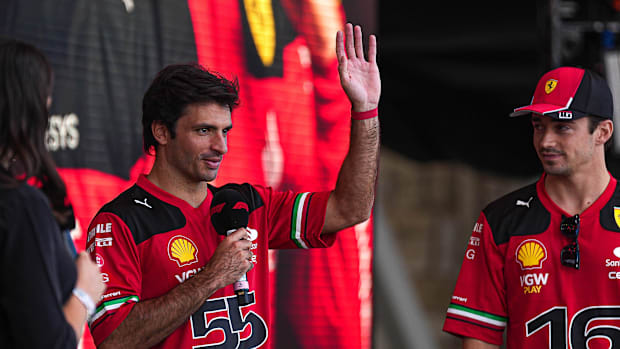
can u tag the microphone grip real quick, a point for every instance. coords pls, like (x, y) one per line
(242, 290)
(241, 286)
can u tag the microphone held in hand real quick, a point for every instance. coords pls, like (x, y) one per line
(229, 212)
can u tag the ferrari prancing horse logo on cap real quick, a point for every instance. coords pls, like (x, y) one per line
(550, 85)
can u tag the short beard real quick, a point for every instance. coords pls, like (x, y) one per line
(557, 171)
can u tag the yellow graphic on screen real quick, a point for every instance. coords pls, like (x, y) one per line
(617, 215)
(182, 250)
(531, 254)
(262, 27)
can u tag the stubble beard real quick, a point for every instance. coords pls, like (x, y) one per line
(565, 172)
(210, 178)
(199, 174)
(555, 168)
(207, 174)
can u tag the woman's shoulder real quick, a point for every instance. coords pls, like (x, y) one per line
(24, 213)
(23, 195)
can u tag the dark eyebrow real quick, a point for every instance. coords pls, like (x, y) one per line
(563, 121)
(538, 118)
(205, 125)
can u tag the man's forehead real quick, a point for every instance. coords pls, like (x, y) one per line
(207, 111)
(540, 117)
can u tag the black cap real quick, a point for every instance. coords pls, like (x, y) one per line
(569, 93)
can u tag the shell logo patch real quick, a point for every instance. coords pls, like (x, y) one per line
(182, 250)
(617, 215)
(550, 85)
(531, 254)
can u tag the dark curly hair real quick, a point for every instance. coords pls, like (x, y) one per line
(178, 86)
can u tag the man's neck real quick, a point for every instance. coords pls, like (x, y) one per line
(576, 192)
(171, 181)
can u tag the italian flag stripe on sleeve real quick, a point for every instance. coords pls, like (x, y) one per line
(109, 306)
(477, 315)
(297, 220)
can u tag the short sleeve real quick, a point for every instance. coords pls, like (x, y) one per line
(478, 305)
(110, 243)
(295, 220)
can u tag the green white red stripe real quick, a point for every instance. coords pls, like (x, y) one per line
(111, 305)
(297, 219)
(480, 316)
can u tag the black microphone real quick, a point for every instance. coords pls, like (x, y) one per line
(229, 212)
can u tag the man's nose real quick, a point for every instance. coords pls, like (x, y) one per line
(547, 139)
(220, 143)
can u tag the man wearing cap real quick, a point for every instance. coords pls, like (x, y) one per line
(543, 262)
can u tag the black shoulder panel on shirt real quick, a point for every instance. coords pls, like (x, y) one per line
(609, 216)
(516, 214)
(144, 214)
(251, 196)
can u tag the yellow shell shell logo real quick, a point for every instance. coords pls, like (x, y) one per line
(182, 250)
(531, 254)
(550, 85)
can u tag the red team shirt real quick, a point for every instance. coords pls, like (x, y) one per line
(147, 242)
(512, 278)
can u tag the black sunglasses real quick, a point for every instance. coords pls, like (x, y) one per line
(570, 253)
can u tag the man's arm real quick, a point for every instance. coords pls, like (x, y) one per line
(151, 321)
(352, 199)
(471, 343)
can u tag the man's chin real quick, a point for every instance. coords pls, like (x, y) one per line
(556, 170)
(209, 177)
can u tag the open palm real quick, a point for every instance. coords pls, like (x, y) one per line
(359, 77)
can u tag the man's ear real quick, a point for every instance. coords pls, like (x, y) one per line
(604, 131)
(160, 132)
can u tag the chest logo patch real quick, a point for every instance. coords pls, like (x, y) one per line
(531, 254)
(182, 250)
(617, 215)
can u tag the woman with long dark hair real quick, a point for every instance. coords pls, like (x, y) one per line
(45, 295)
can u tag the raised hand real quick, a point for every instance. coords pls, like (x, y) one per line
(359, 77)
